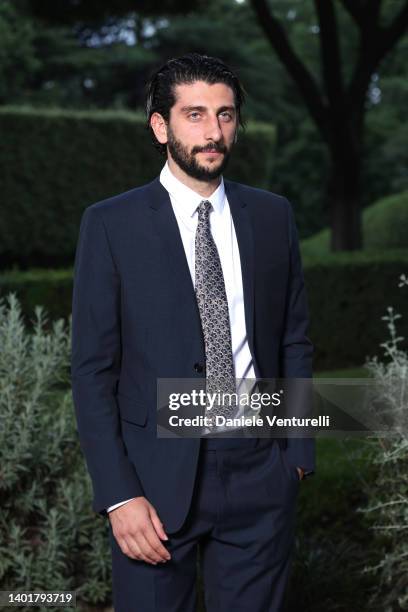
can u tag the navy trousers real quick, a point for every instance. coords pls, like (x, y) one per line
(242, 517)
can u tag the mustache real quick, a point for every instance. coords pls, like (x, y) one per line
(220, 148)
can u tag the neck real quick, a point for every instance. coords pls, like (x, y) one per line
(203, 188)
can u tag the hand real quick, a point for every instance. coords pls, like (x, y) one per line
(138, 530)
(301, 472)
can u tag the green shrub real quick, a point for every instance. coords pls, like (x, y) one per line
(55, 163)
(50, 539)
(317, 245)
(347, 293)
(387, 506)
(384, 227)
(50, 288)
(385, 223)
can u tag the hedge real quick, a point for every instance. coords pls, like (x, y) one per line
(385, 223)
(54, 163)
(348, 293)
(384, 226)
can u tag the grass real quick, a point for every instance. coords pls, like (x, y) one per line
(343, 373)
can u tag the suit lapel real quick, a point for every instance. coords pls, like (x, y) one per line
(169, 234)
(165, 222)
(244, 232)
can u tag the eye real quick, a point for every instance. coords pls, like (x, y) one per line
(226, 116)
(194, 115)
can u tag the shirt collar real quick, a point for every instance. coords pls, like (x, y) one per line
(185, 198)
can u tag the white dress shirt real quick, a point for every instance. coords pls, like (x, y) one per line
(185, 202)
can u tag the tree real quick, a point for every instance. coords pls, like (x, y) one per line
(18, 63)
(87, 58)
(338, 107)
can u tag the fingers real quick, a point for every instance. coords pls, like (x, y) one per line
(144, 545)
(154, 542)
(137, 530)
(133, 553)
(151, 551)
(157, 524)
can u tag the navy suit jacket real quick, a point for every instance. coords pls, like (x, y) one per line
(135, 319)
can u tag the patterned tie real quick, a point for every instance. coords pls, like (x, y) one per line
(214, 315)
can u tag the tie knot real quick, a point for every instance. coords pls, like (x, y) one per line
(204, 209)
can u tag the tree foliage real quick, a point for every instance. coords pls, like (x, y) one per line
(341, 145)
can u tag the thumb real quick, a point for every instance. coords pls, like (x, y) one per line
(157, 524)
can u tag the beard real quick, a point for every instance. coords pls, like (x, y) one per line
(187, 161)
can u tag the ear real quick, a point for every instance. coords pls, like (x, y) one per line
(159, 127)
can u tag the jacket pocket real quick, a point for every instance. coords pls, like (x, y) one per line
(290, 469)
(132, 410)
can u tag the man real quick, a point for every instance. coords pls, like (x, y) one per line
(149, 263)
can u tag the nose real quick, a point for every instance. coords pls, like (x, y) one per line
(213, 130)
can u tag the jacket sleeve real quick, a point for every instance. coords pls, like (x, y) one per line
(95, 365)
(297, 350)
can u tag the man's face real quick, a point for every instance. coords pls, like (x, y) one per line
(201, 129)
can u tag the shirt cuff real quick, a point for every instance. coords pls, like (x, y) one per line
(119, 504)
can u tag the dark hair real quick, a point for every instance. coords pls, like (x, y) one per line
(160, 95)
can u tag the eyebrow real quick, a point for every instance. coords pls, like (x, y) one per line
(201, 109)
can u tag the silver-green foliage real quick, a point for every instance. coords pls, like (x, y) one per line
(50, 538)
(388, 494)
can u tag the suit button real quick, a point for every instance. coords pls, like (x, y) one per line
(198, 367)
